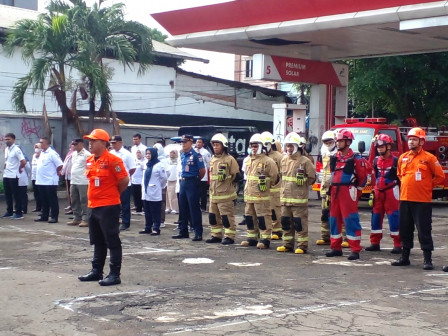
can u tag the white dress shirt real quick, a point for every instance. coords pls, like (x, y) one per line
(25, 175)
(47, 165)
(139, 168)
(34, 167)
(128, 159)
(13, 156)
(78, 172)
(206, 156)
(134, 149)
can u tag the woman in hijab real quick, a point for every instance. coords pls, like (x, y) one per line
(154, 179)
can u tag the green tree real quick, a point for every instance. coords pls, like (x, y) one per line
(73, 36)
(400, 87)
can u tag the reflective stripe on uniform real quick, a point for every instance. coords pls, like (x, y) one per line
(215, 230)
(354, 237)
(221, 197)
(265, 236)
(394, 233)
(215, 177)
(287, 237)
(275, 190)
(294, 200)
(289, 178)
(376, 231)
(302, 239)
(256, 198)
(256, 178)
(229, 231)
(336, 236)
(252, 235)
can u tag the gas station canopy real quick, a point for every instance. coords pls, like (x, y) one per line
(312, 29)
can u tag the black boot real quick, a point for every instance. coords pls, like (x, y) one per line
(427, 263)
(334, 253)
(353, 256)
(404, 259)
(113, 278)
(373, 247)
(94, 275)
(97, 267)
(445, 268)
(213, 240)
(396, 250)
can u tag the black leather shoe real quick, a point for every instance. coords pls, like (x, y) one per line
(41, 220)
(36, 210)
(180, 236)
(427, 265)
(52, 221)
(396, 250)
(401, 262)
(334, 253)
(91, 276)
(145, 232)
(197, 238)
(124, 227)
(228, 241)
(445, 268)
(110, 280)
(374, 247)
(213, 240)
(353, 256)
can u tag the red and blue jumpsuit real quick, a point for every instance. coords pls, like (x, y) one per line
(348, 177)
(386, 199)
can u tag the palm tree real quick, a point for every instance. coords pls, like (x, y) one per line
(73, 36)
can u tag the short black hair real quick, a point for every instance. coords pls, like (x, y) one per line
(10, 135)
(46, 139)
(137, 135)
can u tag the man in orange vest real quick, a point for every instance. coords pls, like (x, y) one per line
(419, 172)
(107, 180)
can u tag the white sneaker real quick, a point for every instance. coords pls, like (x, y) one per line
(167, 210)
(174, 212)
(162, 225)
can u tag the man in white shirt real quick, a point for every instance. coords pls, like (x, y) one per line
(49, 166)
(137, 140)
(203, 184)
(79, 184)
(14, 164)
(129, 164)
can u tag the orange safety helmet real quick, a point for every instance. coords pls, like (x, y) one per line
(417, 132)
(344, 134)
(383, 139)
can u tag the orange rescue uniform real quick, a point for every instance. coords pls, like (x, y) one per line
(416, 188)
(104, 174)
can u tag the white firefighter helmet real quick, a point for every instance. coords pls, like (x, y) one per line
(302, 141)
(268, 138)
(329, 135)
(257, 138)
(292, 139)
(220, 138)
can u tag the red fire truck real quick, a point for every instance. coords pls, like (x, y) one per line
(365, 129)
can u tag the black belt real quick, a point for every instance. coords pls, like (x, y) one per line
(189, 178)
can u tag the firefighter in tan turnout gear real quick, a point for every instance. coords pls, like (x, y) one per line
(274, 153)
(262, 174)
(223, 171)
(297, 174)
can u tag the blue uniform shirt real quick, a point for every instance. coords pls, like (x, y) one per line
(191, 162)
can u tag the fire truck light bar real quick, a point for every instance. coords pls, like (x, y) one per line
(366, 120)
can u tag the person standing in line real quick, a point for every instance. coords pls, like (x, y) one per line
(243, 170)
(107, 179)
(79, 184)
(223, 171)
(262, 174)
(136, 182)
(297, 174)
(193, 170)
(24, 181)
(49, 166)
(419, 172)
(152, 184)
(162, 158)
(137, 140)
(276, 208)
(349, 176)
(172, 204)
(66, 172)
(14, 165)
(37, 150)
(204, 183)
(129, 164)
(385, 196)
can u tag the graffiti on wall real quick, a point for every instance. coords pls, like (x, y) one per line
(30, 130)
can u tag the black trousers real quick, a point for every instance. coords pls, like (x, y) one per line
(11, 186)
(104, 233)
(50, 203)
(416, 215)
(203, 188)
(137, 196)
(36, 195)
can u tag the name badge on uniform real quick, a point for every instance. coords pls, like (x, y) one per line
(187, 168)
(97, 181)
(418, 176)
